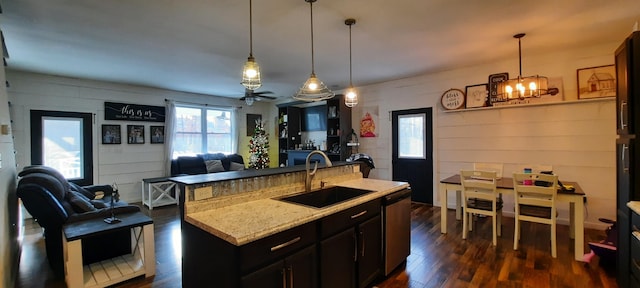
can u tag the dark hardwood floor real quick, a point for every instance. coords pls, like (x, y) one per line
(436, 260)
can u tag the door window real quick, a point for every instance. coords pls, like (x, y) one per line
(63, 141)
(411, 136)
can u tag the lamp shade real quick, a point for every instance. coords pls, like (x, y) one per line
(251, 74)
(523, 87)
(351, 97)
(313, 90)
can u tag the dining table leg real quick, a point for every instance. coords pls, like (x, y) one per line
(579, 229)
(458, 205)
(442, 192)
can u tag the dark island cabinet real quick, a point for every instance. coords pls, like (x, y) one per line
(351, 257)
(297, 270)
(340, 250)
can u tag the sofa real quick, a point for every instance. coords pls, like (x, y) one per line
(206, 163)
(53, 202)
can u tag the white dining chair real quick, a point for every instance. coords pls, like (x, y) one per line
(480, 196)
(535, 202)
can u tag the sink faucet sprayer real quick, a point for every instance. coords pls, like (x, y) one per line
(307, 182)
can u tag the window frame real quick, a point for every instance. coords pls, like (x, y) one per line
(204, 132)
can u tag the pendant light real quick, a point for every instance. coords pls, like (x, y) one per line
(313, 89)
(251, 72)
(524, 87)
(351, 97)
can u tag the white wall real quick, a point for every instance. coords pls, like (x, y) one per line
(8, 225)
(576, 137)
(124, 164)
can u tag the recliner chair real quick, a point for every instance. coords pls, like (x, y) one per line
(54, 202)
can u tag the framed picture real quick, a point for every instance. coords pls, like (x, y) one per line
(157, 134)
(476, 95)
(251, 123)
(597, 82)
(135, 134)
(111, 134)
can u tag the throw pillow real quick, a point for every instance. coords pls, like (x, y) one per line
(214, 166)
(79, 202)
(236, 166)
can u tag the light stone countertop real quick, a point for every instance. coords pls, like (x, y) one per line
(246, 222)
(634, 206)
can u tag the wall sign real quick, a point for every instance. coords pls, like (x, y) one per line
(452, 99)
(133, 112)
(494, 80)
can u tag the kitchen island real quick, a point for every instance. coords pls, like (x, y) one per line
(237, 233)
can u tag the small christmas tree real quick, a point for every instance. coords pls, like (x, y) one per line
(259, 147)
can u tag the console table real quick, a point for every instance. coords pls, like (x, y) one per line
(141, 261)
(158, 191)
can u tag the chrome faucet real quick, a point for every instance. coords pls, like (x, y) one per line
(307, 182)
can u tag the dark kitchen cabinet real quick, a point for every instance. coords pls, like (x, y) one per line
(351, 247)
(297, 270)
(627, 61)
(288, 129)
(338, 129)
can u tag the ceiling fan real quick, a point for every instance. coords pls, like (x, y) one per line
(250, 96)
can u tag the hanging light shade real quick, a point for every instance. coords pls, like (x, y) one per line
(524, 87)
(251, 72)
(351, 97)
(313, 89)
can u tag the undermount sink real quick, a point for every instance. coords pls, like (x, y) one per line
(326, 196)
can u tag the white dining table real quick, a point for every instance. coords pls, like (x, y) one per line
(505, 186)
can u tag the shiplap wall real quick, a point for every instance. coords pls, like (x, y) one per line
(125, 164)
(576, 137)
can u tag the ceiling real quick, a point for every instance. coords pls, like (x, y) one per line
(200, 46)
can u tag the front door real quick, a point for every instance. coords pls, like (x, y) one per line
(412, 155)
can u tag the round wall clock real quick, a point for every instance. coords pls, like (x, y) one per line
(452, 99)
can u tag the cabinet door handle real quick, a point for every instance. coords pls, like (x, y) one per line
(625, 168)
(622, 104)
(359, 214)
(284, 277)
(362, 241)
(355, 247)
(290, 276)
(285, 244)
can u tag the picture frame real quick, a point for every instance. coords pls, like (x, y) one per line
(156, 134)
(135, 134)
(477, 95)
(111, 134)
(596, 82)
(251, 123)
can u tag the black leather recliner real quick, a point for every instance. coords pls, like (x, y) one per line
(54, 202)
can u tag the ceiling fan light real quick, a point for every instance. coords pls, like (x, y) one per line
(249, 100)
(251, 74)
(351, 98)
(313, 90)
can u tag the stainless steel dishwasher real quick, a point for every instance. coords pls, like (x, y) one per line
(397, 228)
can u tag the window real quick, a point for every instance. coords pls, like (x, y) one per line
(411, 136)
(63, 141)
(203, 130)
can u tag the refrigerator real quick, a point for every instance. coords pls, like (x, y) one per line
(627, 62)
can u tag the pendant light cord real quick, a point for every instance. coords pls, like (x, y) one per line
(312, 58)
(350, 66)
(519, 36)
(250, 30)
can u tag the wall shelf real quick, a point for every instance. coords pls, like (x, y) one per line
(613, 99)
